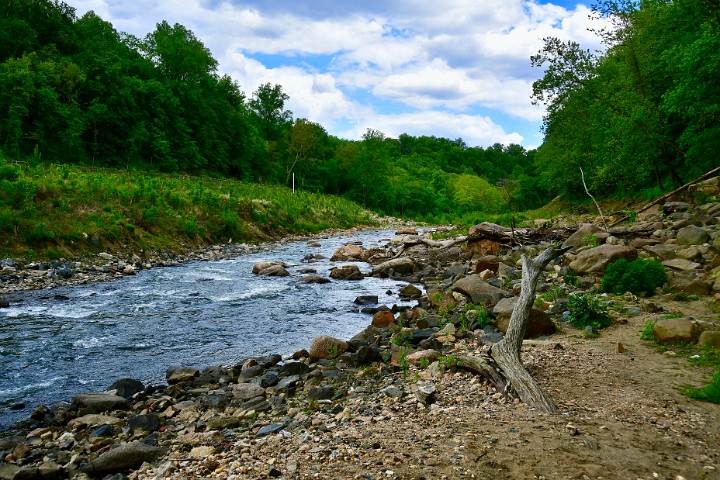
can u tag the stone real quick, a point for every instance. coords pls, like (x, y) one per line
(314, 279)
(326, 347)
(269, 429)
(539, 323)
(487, 262)
(675, 330)
(397, 266)
(425, 393)
(383, 319)
(274, 270)
(260, 266)
(661, 251)
(124, 457)
(393, 392)
(295, 368)
(410, 291)
(4, 302)
(347, 272)
(201, 452)
(416, 358)
(596, 259)
(93, 420)
(406, 231)
(87, 403)
(681, 264)
(710, 337)
(181, 374)
(675, 207)
(349, 252)
(692, 235)
(582, 235)
(366, 300)
(321, 393)
(246, 391)
(144, 423)
(479, 291)
(127, 387)
(690, 282)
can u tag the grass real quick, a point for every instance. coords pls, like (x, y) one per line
(707, 358)
(49, 211)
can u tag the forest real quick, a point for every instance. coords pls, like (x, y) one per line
(639, 118)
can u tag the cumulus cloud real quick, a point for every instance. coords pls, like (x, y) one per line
(425, 68)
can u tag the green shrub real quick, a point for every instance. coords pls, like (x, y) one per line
(638, 277)
(587, 310)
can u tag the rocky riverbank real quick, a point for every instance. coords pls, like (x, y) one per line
(390, 402)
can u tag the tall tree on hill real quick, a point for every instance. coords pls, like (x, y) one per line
(268, 106)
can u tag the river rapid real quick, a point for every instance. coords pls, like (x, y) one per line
(55, 344)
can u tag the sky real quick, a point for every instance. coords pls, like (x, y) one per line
(450, 68)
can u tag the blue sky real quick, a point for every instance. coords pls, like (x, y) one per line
(455, 69)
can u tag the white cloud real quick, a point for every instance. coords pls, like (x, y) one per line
(425, 67)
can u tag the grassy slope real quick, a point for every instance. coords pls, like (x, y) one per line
(48, 211)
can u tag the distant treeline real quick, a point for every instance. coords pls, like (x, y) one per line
(74, 90)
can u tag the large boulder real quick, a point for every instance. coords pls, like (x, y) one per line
(675, 330)
(274, 270)
(692, 235)
(127, 387)
(597, 259)
(87, 403)
(383, 319)
(538, 325)
(347, 272)
(348, 253)
(690, 282)
(479, 291)
(397, 266)
(181, 374)
(710, 337)
(125, 457)
(326, 347)
(585, 232)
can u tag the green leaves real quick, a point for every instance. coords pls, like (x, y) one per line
(638, 277)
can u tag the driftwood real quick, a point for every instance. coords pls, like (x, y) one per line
(510, 237)
(503, 365)
(412, 240)
(709, 174)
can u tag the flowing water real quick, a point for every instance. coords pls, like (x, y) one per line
(197, 314)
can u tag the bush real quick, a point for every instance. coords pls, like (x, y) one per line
(708, 393)
(588, 311)
(638, 277)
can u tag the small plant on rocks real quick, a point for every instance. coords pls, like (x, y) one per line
(587, 310)
(648, 331)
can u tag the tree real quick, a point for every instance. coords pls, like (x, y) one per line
(306, 141)
(268, 106)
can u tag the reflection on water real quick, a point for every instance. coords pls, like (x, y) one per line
(197, 314)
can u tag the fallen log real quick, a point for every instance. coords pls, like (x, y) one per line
(707, 175)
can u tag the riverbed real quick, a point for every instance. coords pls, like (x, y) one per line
(55, 344)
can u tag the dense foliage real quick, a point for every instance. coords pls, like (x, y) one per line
(643, 115)
(639, 277)
(76, 91)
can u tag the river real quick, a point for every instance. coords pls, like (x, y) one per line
(55, 344)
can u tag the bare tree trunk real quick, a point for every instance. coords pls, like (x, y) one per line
(504, 367)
